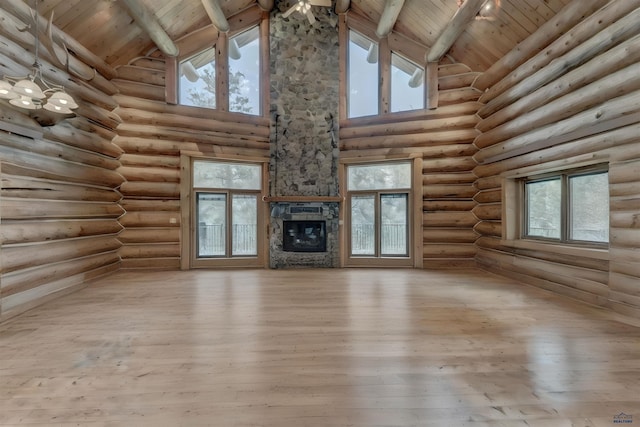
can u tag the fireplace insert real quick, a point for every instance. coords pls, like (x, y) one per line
(304, 236)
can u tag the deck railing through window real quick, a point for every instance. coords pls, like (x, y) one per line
(211, 240)
(393, 238)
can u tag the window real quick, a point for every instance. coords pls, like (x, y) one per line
(198, 76)
(568, 207)
(363, 76)
(407, 85)
(378, 203)
(227, 211)
(383, 75)
(244, 72)
(198, 80)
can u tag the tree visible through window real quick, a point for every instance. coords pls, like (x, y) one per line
(198, 79)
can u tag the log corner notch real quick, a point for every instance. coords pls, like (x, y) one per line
(147, 20)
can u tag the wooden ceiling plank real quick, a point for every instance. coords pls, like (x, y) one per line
(539, 7)
(518, 21)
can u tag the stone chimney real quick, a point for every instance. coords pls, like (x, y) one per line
(304, 103)
(304, 130)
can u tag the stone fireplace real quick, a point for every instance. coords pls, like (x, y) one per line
(304, 235)
(303, 168)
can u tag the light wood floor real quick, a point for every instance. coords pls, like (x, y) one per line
(356, 347)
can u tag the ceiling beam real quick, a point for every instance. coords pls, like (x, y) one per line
(389, 16)
(147, 20)
(266, 5)
(216, 15)
(456, 26)
(342, 6)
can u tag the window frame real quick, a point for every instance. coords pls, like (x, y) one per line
(188, 214)
(414, 217)
(394, 42)
(347, 82)
(423, 70)
(201, 39)
(564, 176)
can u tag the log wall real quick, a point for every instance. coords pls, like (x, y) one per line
(443, 138)
(572, 102)
(59, 199)
(152, 135)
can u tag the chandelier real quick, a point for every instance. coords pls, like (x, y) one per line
(33, 92)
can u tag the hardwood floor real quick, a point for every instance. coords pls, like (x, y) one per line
(353, 347)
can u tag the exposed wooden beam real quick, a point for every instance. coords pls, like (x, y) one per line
(147, 20)
(216, 15)
(463, 16)
(389, 16)
(266, 5)
(342, 6)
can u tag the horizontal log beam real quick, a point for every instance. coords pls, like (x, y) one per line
(28, 188)
(625, 28)
(14, 209)
(39, 231)
(599, 67)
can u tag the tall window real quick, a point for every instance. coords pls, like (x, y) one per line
(378, 197)
(244, 72)
(226, 211)
(198, 75)
(407, 85)
(382, 76)
(363, 76)
(198, 80)
(572, 206)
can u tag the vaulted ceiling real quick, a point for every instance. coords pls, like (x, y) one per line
(106, 28)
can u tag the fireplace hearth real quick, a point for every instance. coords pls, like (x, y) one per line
(304, 236)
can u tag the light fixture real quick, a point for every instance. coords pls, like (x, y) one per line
(33, 92)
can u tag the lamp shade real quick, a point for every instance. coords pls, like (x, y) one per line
(24, 102)
(6, 90)
(56, 108)
(62, 100)
(28, 88)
